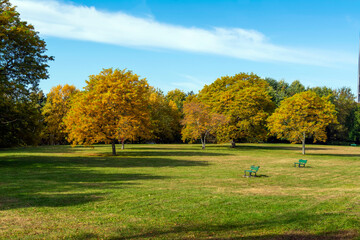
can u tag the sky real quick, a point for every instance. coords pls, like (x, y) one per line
(186, 44)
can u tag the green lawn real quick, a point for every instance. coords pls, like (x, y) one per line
(179, 192)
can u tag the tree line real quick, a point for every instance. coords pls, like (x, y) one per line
(118, 106)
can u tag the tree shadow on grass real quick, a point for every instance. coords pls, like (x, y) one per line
(332, 235)
(48, 149)
(334, 155)
(297, 220)
(54, 187)
(30, 181)
(275, 147)
(88, 161)
(179, 153)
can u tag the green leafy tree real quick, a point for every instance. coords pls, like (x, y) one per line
(178, 97)
(303, 115)
(279, 90)
(344, 101)
(354, 126)
(165, 117)
(23, 64)
(345, 105)
(295, 87)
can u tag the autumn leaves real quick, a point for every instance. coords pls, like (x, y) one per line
(117, 105)
(113, 107)
(240, 108)
(303, 115)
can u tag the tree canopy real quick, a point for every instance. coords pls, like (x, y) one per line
(23, 64)
(116, 105)
(199, 122)
(245, 99)
(177, 96)
(54, 111)
(113, 107)
(303, 115)
(165, 117)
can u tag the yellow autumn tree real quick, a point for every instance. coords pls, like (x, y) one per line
(55, 109)
(245, 99)
(199, 122)
(113, 107)
(302, 115)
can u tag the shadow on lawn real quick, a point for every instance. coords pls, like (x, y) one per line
(51, 187)
(279, 147)
(167, 153)
(335, 235)
(296, 220)
(95, 161)
(37, 181)
(47, 149)
(334, 155)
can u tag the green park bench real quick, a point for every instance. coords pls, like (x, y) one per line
(353, 145)
(301, 162)
(253, 169)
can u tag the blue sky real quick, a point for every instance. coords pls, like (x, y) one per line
(186, 44)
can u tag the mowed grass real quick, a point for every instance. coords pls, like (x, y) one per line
(179, 192)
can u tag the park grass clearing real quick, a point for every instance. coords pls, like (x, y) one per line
(179, 192)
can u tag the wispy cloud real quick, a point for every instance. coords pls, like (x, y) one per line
(64, 20)
(189, 83)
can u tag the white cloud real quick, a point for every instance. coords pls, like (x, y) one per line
(64, 20)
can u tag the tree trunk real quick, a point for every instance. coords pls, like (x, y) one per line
(303, 144)
(113, 148)
(233, 144)
(203, 143)
(52, 142)
(123, 144)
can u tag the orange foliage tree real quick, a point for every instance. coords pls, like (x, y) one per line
(245, 99)
(302, 115)
(199, 122)
(113, 107)
(55, 109)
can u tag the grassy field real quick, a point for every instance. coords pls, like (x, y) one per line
(179, 192)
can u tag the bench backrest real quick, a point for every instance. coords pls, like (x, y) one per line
(255, 168)
(302, 161)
